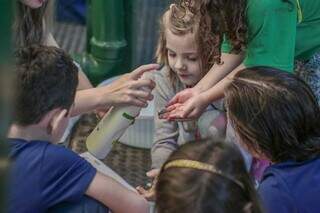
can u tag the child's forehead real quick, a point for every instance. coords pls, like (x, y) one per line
(184, 42)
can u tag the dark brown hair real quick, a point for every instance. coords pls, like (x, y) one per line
(29, 24)
(180, 21)
(46, 79)
(228, 20)
(190, 190)
(275, 114)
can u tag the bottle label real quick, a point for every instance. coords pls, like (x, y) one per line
(129, 117)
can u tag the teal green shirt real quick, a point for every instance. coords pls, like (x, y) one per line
(279, 32)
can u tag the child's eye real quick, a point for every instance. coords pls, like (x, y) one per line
(172, 55)
(192, 58)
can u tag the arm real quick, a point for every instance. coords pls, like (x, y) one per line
(217, 91)
(115, 196)
(166, 132)
(215, 74)
(124, 91)
(218, 72)
(195, 105)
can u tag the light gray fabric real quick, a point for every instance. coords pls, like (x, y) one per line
(170, 135)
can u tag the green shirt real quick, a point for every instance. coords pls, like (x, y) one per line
(277, 34)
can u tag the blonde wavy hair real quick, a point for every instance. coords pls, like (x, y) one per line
(181, 21)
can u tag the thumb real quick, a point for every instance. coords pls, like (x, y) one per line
(174, 100)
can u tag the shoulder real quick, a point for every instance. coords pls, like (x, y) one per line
(61, 159)
(162, 76)
(262, 9)
(60, 163)
(274, 192)
(57, 151)
(270, 4)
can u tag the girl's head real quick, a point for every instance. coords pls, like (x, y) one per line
(274, 114)
(34, 4)
(187, 55)
(205, 176)
(29, 22)
(227, 18)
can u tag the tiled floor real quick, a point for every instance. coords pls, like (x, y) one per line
(129, 162)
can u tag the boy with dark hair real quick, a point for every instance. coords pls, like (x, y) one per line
(43, 174)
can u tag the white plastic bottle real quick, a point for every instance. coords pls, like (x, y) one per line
(110, 129)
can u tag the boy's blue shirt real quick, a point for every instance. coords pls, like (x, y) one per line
(291, 187)
(43, 175)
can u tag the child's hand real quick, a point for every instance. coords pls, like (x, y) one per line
(150, 193)
(183, 96)
(188, 109)
(153, 173)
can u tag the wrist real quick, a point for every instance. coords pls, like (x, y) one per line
(102, 98)
(198, 89)
(204, 99)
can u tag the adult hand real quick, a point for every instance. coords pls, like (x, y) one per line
(150, 193)
(101, 112)
(128, 89)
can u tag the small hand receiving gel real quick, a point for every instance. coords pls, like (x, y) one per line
(163, 114)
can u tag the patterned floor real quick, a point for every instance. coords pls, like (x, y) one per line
(129, 162)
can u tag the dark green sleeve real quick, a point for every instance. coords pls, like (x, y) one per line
(226, 46)
(271, 34)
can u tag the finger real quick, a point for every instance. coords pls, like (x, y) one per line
(153, 173)
(142, 95)
(185, 112)
(172, 111)
(138, 103)
(173, 107)
(147, 194)
(141, 190)
(163, 115)
(173, 101)
(174, 116)
(177, 114)
(138, 84)
(137, 73)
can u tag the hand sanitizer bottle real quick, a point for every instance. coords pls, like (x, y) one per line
(110, 129)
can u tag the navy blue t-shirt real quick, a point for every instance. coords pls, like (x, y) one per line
(43, 175)
(291, 187)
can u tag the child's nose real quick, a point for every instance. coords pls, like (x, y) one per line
(179, 64)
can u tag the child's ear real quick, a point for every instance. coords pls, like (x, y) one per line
(56, 124)
(248, 208)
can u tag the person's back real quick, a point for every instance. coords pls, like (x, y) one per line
(296, 183)
(44, 174)
(276, 117)
(67, 176)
